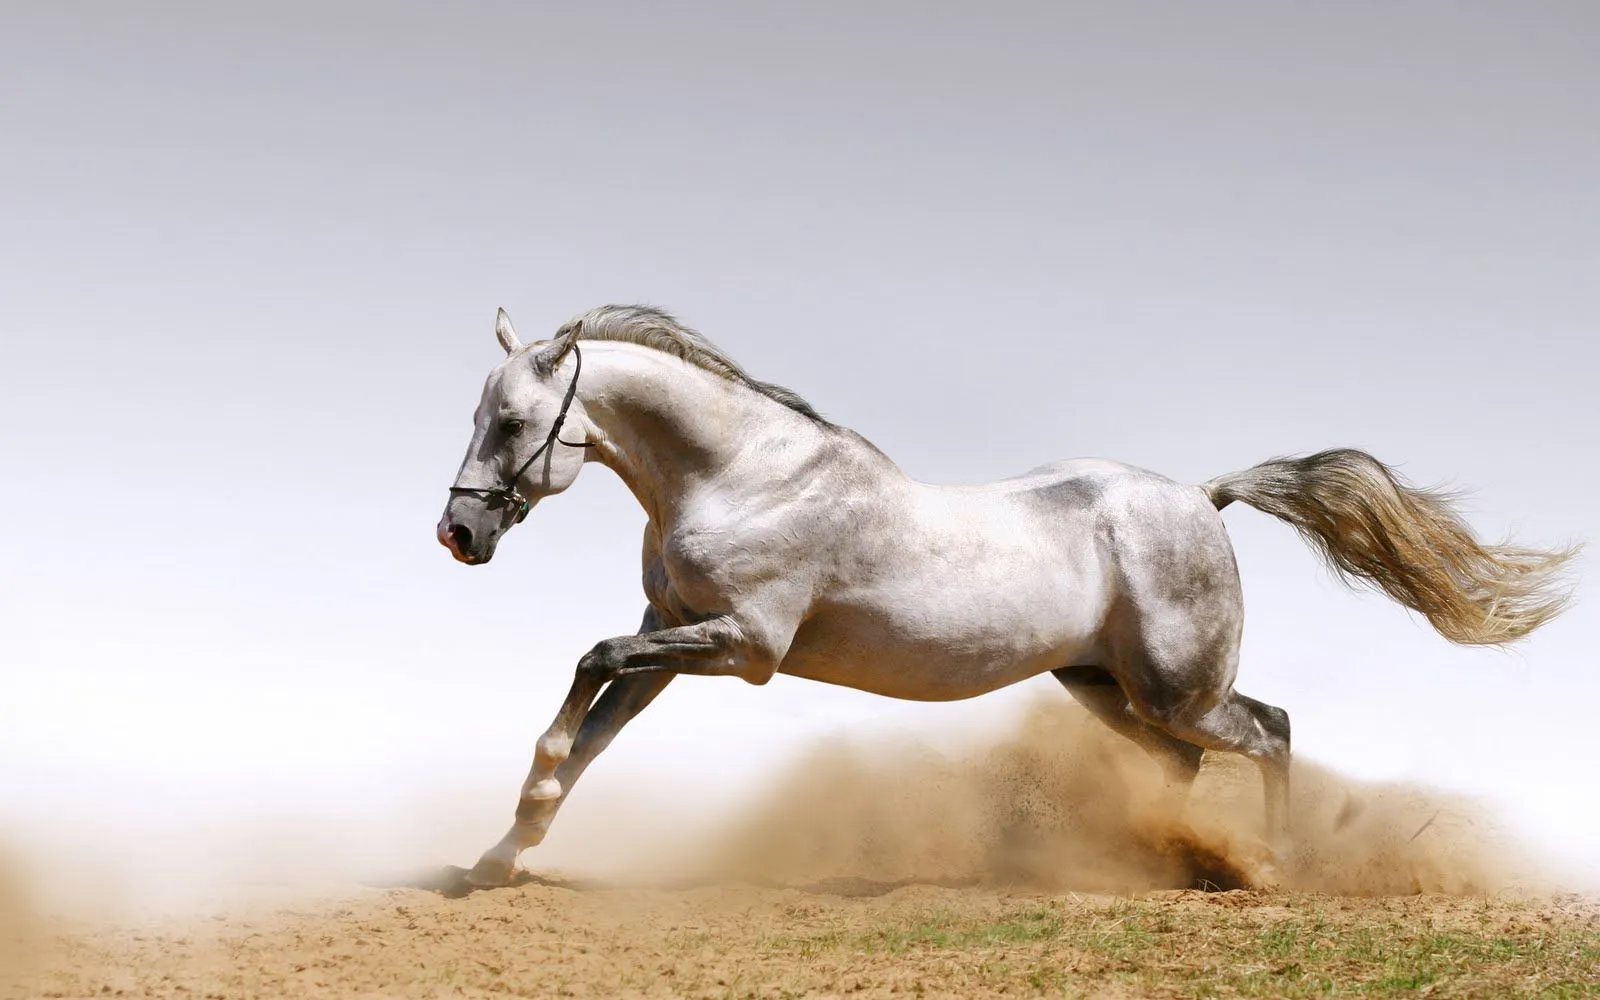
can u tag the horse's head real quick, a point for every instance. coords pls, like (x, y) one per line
(519, 451)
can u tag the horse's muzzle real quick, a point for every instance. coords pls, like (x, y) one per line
(458, 539)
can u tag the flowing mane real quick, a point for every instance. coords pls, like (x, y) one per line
(655, 328)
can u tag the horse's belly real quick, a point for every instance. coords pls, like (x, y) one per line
(914, 682)
(934, 656)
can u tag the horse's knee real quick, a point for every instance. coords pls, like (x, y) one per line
(602, 662)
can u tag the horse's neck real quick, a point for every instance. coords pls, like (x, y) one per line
(671, 431)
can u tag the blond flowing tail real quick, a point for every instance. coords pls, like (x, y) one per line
(1408, 542)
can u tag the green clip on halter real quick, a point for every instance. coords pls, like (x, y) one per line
(508, 494)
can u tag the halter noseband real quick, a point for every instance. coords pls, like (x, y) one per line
(508, 494)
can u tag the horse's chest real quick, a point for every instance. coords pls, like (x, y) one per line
(709, 565)
(704, 571)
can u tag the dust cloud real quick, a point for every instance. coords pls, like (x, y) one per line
(1065, 804)
(18, 923)
(1058, 802)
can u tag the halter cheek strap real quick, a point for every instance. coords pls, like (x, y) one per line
(508, 493)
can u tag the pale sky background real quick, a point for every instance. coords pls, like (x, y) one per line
(249, 262)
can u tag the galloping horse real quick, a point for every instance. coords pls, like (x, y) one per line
(779, 542)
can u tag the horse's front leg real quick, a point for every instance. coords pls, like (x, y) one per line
(622, 700)
(638, 667)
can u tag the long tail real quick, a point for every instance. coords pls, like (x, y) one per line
(1408, 542)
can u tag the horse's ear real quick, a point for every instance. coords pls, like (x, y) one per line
(550, 356)
(505, 334)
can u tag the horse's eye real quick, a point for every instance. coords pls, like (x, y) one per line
(510, 428)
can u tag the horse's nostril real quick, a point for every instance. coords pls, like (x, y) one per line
(461, 535)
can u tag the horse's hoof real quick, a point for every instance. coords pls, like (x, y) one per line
(1266, 875)
(490, 873)
(1267, 866)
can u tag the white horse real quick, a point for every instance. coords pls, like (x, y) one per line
(778, 542)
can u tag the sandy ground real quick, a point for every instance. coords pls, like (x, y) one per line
(843, 938)
(1053, 863)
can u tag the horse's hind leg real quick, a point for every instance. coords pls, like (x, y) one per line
(1256, 730)
(1099, 692)
(1172, 642)
(1272, 727)
(1195, 702)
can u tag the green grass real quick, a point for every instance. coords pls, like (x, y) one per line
(1217, 952)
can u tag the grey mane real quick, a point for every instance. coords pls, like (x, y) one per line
(658, 329)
